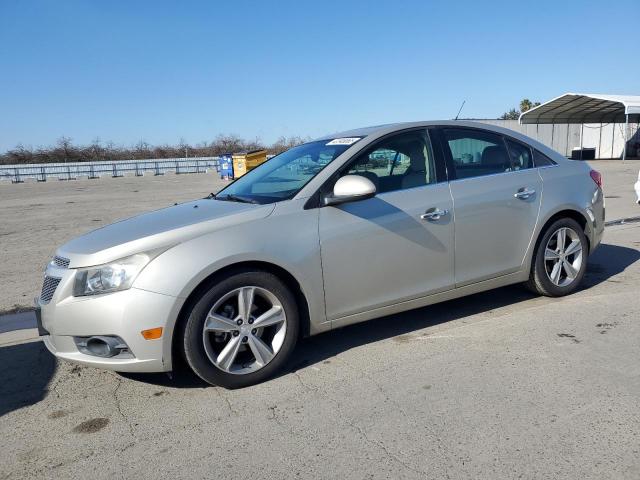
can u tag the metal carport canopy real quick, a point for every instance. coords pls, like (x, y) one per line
(585, 108)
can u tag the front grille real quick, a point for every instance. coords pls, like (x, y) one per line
(61, 262)
(48, 289)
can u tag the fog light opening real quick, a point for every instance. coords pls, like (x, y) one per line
(100, 348)
(103, 346)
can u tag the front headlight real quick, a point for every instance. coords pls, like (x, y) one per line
(111, 277)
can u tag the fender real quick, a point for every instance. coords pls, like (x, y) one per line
(191, 262)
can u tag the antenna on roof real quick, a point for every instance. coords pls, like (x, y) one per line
(463, 102)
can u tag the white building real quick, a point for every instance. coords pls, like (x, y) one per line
(573, 120)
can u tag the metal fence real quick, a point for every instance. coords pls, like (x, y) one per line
(119, 168)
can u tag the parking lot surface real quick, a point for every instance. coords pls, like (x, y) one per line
(500, 385)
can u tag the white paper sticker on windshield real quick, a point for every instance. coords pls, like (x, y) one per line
(344, 141)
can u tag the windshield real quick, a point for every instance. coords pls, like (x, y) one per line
(284, 175)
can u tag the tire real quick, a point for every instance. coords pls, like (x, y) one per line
(567, 279)
(204, 350)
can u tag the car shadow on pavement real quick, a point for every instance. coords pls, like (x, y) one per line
(25, 373)
(322, 347)
(607, 261)
(181, 377)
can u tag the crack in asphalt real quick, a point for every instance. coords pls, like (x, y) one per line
(118, 405)
(384, 448)
(357, 428)
(308, 388)
(232, 411)
(379, 387)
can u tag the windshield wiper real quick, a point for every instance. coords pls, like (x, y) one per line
(237, 198)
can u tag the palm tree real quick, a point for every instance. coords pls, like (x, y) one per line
(527, 104)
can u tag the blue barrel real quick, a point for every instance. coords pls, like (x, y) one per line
(226, 167)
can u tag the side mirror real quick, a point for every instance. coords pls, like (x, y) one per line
(350, 188)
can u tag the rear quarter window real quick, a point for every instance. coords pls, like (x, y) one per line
(541, 160)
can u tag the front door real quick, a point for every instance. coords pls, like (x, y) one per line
(385, 250)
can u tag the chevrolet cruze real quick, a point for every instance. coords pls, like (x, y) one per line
(336, 231)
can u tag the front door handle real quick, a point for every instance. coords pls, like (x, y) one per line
(434, 214)
(524, 193)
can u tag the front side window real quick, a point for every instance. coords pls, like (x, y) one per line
(284, 175)
(476, 153)
(397, 162)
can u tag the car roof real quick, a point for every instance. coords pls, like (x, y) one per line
(377, 130)
(380, 130)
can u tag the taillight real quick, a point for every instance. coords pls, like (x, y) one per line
(597, 177)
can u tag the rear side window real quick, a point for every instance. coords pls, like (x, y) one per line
(476, 153)
(520, 154)
(541, 160)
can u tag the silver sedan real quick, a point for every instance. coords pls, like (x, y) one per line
(336, 231)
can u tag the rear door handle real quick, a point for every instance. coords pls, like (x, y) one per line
(524, 193)
(434, 214)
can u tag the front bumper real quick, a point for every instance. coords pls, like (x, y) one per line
(124, 314)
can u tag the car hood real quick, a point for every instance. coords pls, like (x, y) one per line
(158, 229)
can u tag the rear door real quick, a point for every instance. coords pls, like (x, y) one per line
(496, 195)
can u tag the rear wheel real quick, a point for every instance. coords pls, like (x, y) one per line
(242, 330)
(560, 259)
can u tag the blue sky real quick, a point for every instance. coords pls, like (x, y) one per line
(161, 71)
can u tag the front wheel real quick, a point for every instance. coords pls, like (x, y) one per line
(560, 259)
(242, 330)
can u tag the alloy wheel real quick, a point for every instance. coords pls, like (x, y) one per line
(244, 330)
(563, 256)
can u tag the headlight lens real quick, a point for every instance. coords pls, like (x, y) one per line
(111, 277)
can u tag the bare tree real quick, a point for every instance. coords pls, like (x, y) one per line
(284, 143)
(64, 144)
(65, 151)
(142, 150)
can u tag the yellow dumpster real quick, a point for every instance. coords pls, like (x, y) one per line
(245, 161)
